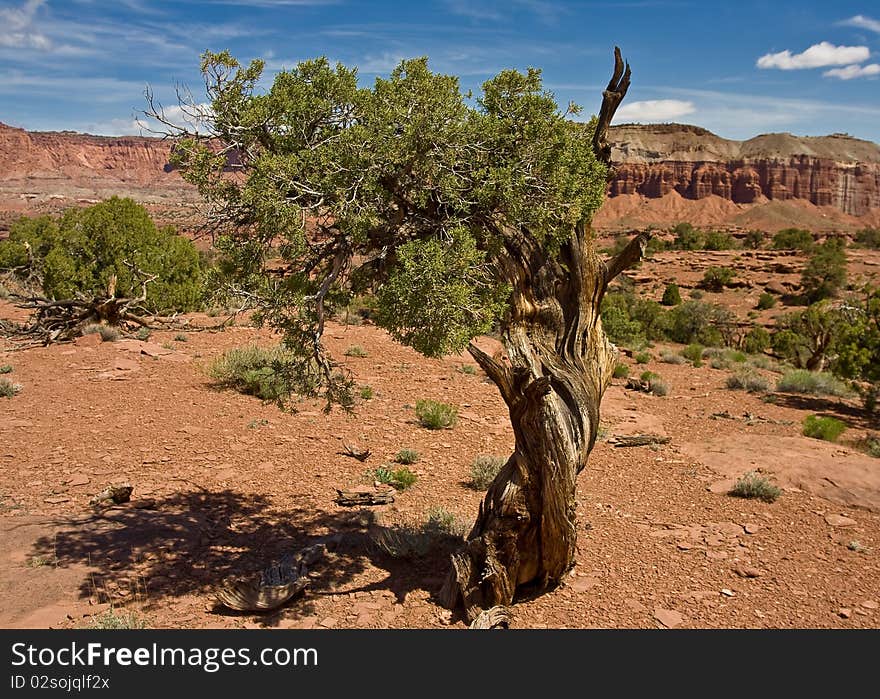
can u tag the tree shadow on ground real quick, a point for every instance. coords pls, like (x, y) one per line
(188, 543)
(853, 415)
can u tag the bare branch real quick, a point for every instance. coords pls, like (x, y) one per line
(496, 371)
(611, 98)
(630, 255)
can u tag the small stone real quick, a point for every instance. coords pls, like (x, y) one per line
(584, 584)
(752, 528)
(722, 487)
(728, 593)
(868, 604)
(56, 499)
(90, 340)
(328, 623)
(79, 479)
(844, 613)
(635, 605)
(669, 618)
(839, 521)
(683, 546)
(745, 571)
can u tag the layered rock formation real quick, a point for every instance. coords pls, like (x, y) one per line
(831, 171)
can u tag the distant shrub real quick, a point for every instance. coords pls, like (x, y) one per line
(688, 238)
(366, 392)
(695, 321)
(434, 415)
(484, 469)
(766, 301)
(793, 239)
(825, 428)
(718, 240)
(621, 371)
(825, 272)
(6, 369)
(868, 237)
(669, 357)
(747, 380)
(716, 278)
(355, 351)
(872, 446)
(812, 383)
(143, 334)
(443, 522)
(254, 371)
(671, 295)
(753, 240)
(115, 619)
(659, 387)
(468, 369)
(756, 340)
(406, 457)
(9, 389)
(693, 352)
(642, 357)
(181, 337)
(107, 332)
(752, 485)
(398, 478)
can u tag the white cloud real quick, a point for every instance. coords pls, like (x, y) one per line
(853, 71)
(817, 56)
(19, 31)
(654, 110)
(862, 22)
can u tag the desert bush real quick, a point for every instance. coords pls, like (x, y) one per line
(108, 333)
(115, 619)
(718, 240)
(824, 428)
(468, 369)
(716, 278)
(621, 371)
(812, 383)
(793, 239)
(4, 292)
(669, 357)
(752, 485)
(687, 237)
(255, 371)
(356, 351)
(406, 457)
(659, 387)
(143, 334)
(693, 352)
(762, 361)
(439, 520)
(366, 392)
(825, 272)
(671, 295)
(181, 337)
(642, 357)
(765, 301)
(868, 237)
(441, 530)
(85, 248)
(398, 478)
(872, 446)
(756, 340)
(748, 380)
(484, 469)
(6, 369)
(753, 240)
(695, 321)
(9, 389)
(434, 415)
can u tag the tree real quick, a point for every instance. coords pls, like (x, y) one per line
(825, 271)
(671, 295)
(460, 217)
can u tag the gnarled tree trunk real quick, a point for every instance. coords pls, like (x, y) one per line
(557, 367)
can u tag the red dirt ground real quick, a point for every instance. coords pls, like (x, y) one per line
(223, 483)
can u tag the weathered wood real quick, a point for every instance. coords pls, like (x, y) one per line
(638, 440)
(494, 618)
(113, 495)
(354, 498)
(354, 452)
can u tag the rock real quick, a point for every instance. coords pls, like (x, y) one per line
(151, 349)
(775, 287)
(751, 528)
(722, 487)
(77, 479)
(728, 593)
(868, 604)
(635, 605)
(56, 499)
(90, 340)
(583, 584)
(839, 521)
(123, 364)
(328, 623)
(745, 571)
(669, 618)
(844, 613)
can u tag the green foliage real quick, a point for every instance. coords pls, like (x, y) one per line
(85, 248)
(856, 339)
(825, 428)
(484, 468)
(808, 338)
(687, 237)
(631, 321)
(366, 392)
(669, 357)
(398, 478)
(694, 352)
(793, 239)
(114, 619)
(766, 301)
(716, 278)
(868, 237)
(756, 340)
(825, 272)
(621, 371)
(748, 380)
(812, 383)
(642, 357)
(181, 337)
(753, 240)
(695, 321)
(671, 295)
(6, 369)
(754, 486)
(143, 334)
(718, 240)
(356, 351)
(407, 457)
(9, 389)
(107, 332)
(872, 446)
(659, 387)
(467, 369)
(434, 415)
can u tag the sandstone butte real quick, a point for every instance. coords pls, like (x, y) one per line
(664, 174)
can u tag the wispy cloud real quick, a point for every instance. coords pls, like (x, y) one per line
(654, 110)
(862, 22)
(547, 11)
(851, 72)
(817, 56)
(19, 27)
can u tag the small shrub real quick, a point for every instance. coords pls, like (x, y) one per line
(856, 546)
(670, 357)
(756, 340)
(696, 294)
(716, 278)
(9, 389)
(484, 469)
(435, 415)
(143, 334)
(659, 387)
(753, 240)
(687, 237)
(441, 521)
(719, 362)
(406, 457)
(181, 337)
(107, 332)
(398, 478)
(752, 485)
(812, 383)
(718, 240)
(761, 361)
(642, 357)
(112, 619)
(824, 428)
(868, 237)
(746, 380)
(4, 292)
(671, 295)
(765, 301)
(793, 239)
(694, 352)
(440, 530)
(254, 371)
(366, 392)
(621, 371)
(872, 446)
(356, 351)
(468, 369)
(6, 369)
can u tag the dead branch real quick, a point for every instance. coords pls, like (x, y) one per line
(612, 96)
(630, 255)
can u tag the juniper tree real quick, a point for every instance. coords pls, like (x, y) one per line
(461, 214)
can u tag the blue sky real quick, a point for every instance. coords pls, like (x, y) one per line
(739, 69)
